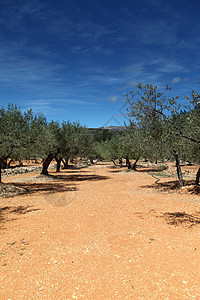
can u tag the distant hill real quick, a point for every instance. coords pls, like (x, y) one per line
(106, 133)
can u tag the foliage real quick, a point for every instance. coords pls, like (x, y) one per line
(14, 133)
(159, 128)
(150, 109)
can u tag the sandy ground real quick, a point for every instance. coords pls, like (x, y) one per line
(98, 233)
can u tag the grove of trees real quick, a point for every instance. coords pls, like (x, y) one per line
(29, 136)
(160, 128)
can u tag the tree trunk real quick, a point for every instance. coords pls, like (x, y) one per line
(178, 168)
(114, 162)
(128, 163)
(47, 162)
(58, 161)
(11, 160)
(197, 177)
(120, 162)
(91, 160)
(65, 162)
(4, 164)
(135, 163)
(0, 172)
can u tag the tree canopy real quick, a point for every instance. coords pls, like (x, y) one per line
(159, 128)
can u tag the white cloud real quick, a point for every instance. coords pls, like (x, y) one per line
(176, 80)
(113, 98)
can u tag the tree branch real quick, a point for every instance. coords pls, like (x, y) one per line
(179, 133)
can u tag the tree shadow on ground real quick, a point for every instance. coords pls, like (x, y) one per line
(18, 209)
(164, 186)
(117, 169)
(54, 184)
(79, 177)
(139, 168)
(23, 188)
(79, 166)
(181, 218)
(72, 171)
(189, 185)
(52, 187)
(173, 218)
(13, 210)
(158, 169)
(116, 166)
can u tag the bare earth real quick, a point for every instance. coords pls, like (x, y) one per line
(98, 233)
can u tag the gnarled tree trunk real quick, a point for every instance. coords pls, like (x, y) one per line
(2, 164)
(114, 162)
(91, 160)
(120, 161)
(66, 162)
(197, 177)
(47, 162)
(9, 163)
(20, 163)
(178, 169)
(128, 163)
(135, 163)
(58, 161)
(0, 170)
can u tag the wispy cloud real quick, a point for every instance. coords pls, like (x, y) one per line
(176, 80)
(153, 70)
(50, 107)
(58, 55)
(114, 98)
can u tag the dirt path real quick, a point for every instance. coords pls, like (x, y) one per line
(99, 234)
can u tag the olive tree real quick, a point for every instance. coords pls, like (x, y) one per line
(51, 148)
(155, 113)
(14, 133)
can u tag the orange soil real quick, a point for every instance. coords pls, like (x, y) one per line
(97, 233)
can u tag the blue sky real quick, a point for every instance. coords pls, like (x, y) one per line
(75, 59)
